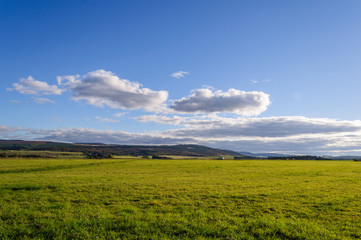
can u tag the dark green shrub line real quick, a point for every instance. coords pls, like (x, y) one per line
(53, 168)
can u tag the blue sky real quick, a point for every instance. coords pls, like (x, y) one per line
(280, 76)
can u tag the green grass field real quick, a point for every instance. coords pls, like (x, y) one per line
(179, 199)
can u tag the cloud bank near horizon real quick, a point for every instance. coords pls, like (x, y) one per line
(213, 125)
(297, 135)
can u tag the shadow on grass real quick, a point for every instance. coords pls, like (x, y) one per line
(31, 187)
(58, 167)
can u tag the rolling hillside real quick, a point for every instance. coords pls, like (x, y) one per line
(132, 150)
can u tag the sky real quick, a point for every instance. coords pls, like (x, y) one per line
(258, 76)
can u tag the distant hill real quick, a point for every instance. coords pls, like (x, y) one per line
(132, 150)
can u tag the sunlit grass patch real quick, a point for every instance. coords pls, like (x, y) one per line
(179, 199)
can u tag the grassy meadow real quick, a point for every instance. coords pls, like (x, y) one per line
(179, 199)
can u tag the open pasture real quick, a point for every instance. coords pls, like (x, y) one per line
(179, 199)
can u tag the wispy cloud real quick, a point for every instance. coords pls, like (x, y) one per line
(107, 120)
(257, 81)
(31, 86)
(15, 101)
(121, 114)
(254, 81)
(57, 119)
(179, 74)
(232, 101)
(174, 120)
(43, 100)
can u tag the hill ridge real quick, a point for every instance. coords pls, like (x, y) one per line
(115, 149)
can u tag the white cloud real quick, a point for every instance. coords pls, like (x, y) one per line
(288, 134)
(232, 101)
(107, 120)
(43, 100)
(7, 132)
(104, 136)
(15, 101)
(270, 127)
(31, 86)
(101, 88)
(179, 74)
(6, 129)
(121, 114)
(296, 135)
(68, 80)
(175, 120)
(213, 126)
(263, 81)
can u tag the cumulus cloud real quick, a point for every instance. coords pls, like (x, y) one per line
(43, 100)
(68, 80)
(31, 86)
(101, 88)
(179, 74)
(232, 101)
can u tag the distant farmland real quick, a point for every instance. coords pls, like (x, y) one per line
(179, 199)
